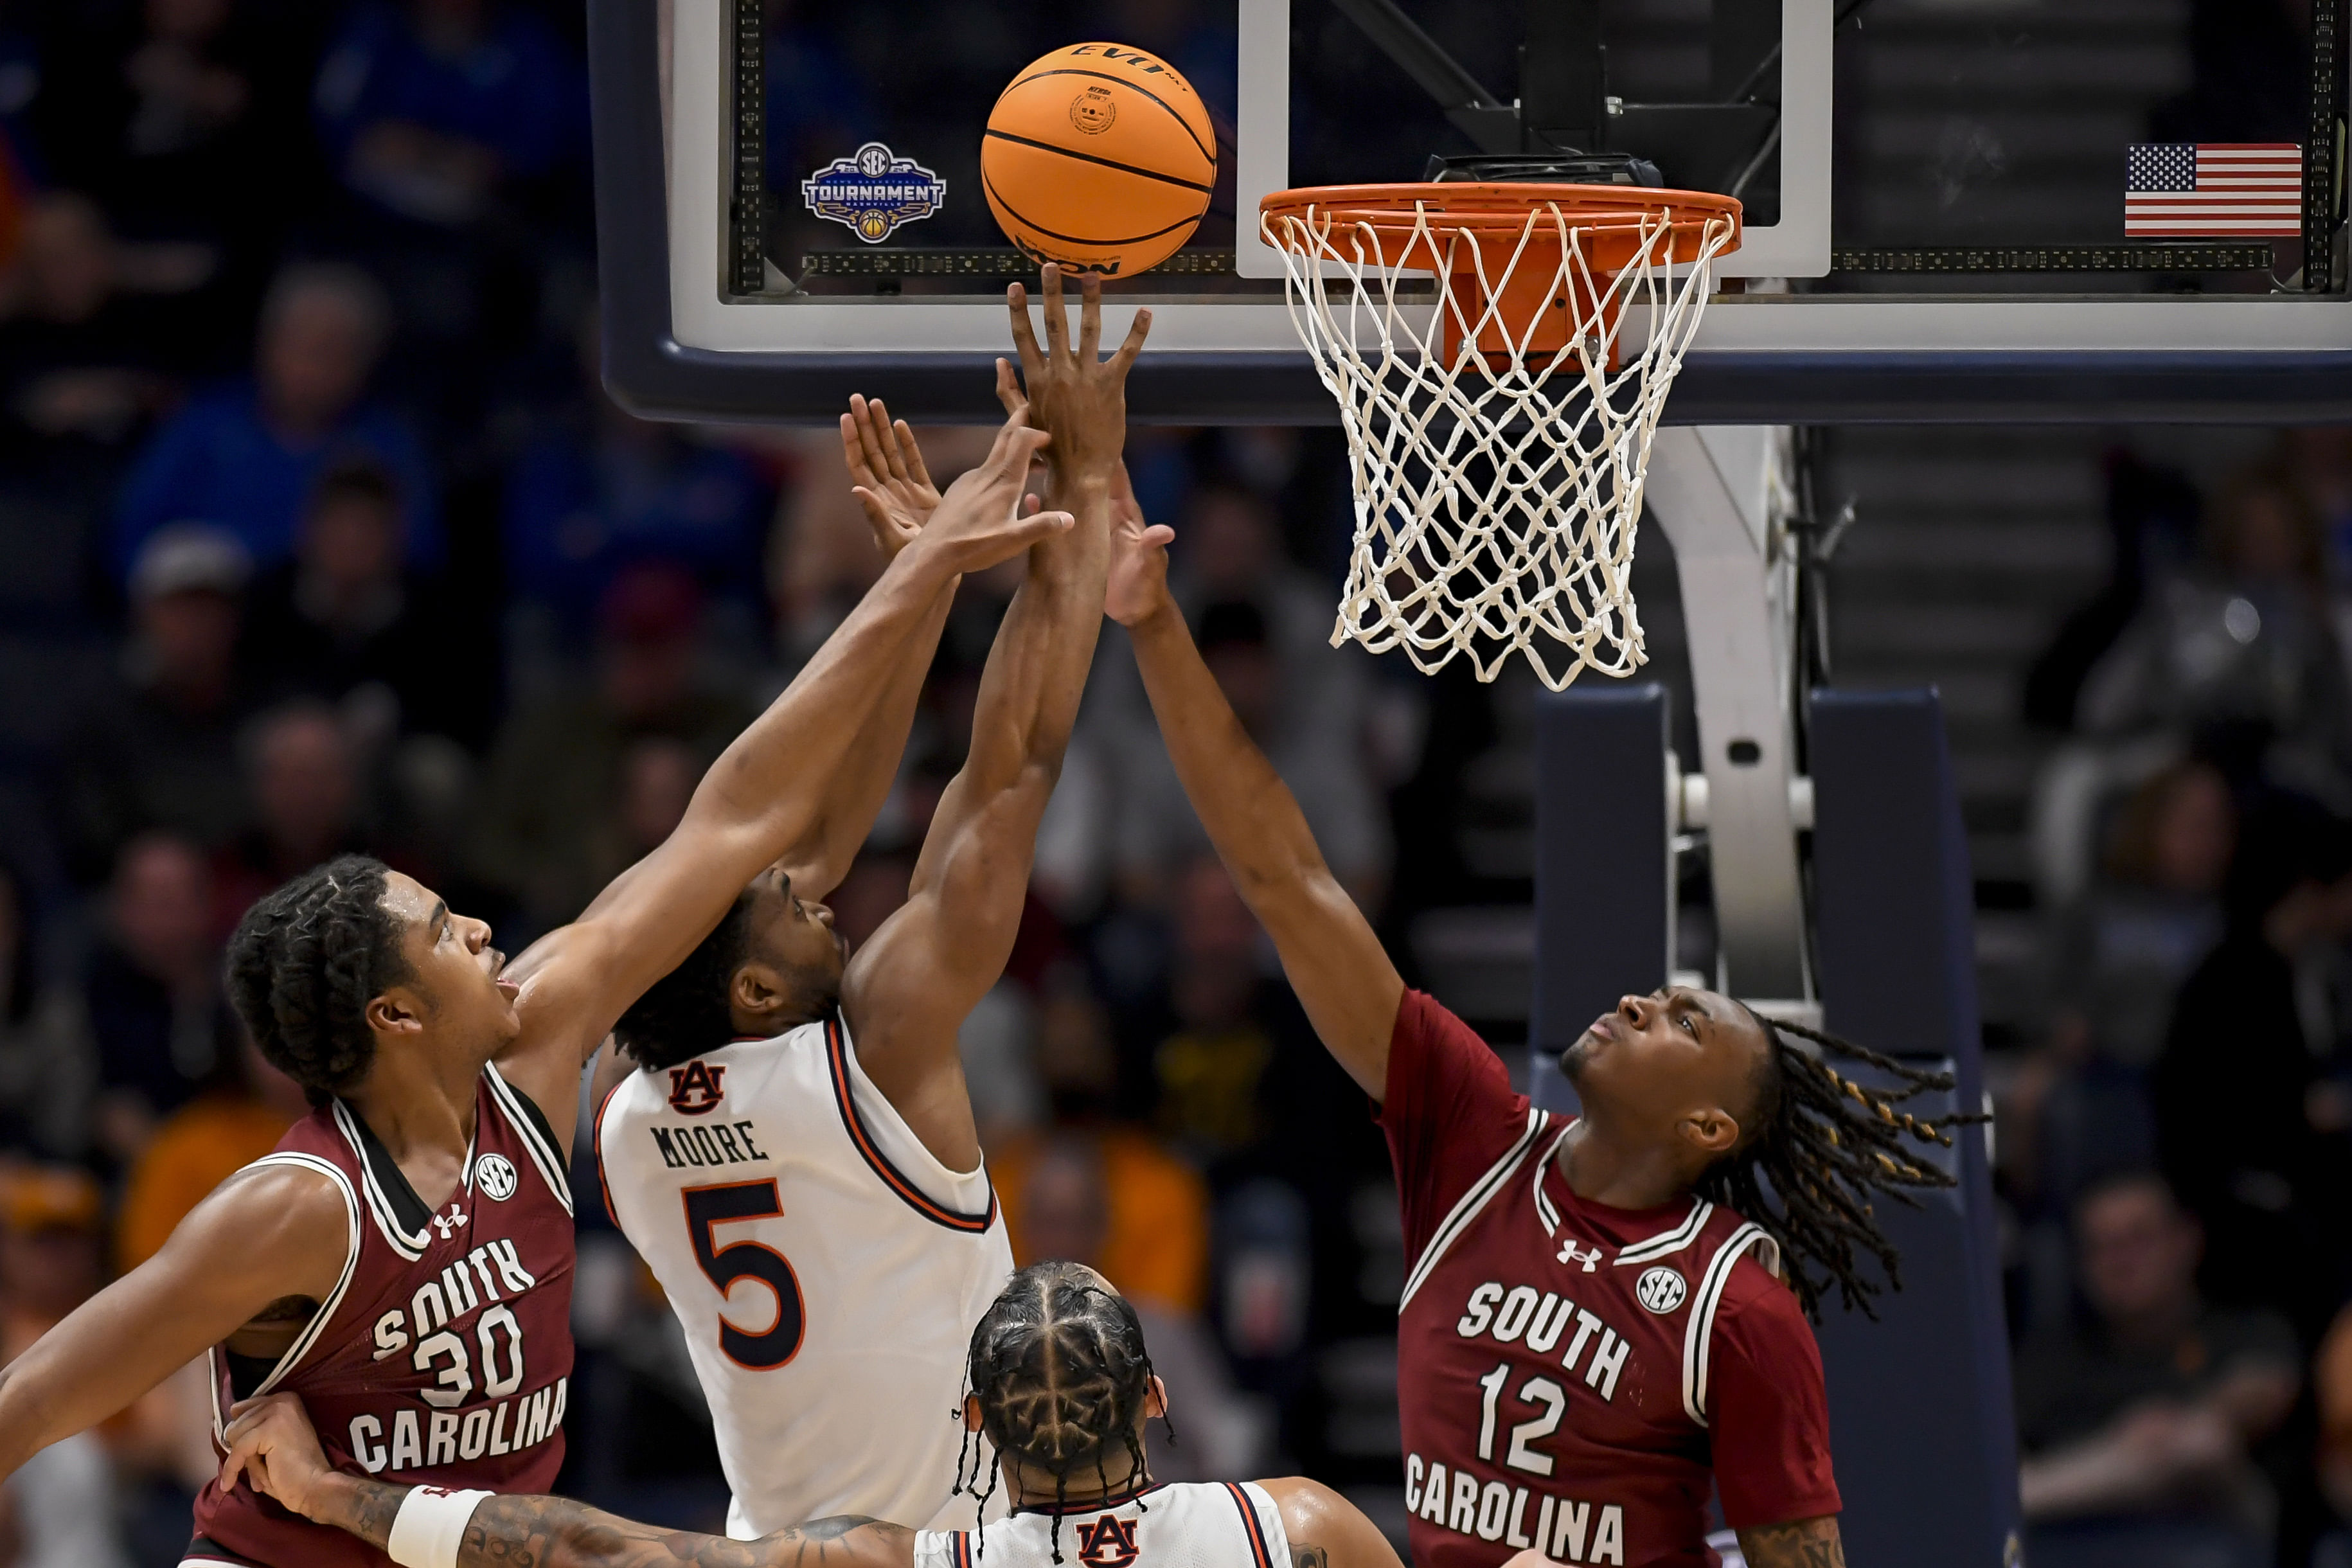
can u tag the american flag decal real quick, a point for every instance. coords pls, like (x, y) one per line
(2176, 190)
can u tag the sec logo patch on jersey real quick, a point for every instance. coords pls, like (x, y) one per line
(494, 1174)
(1661, 1290)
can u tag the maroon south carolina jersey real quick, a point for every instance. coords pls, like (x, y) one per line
(442, 1356)
(1573, 1378)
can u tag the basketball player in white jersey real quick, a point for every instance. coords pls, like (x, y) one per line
(1060, 1381)
(794, 1154)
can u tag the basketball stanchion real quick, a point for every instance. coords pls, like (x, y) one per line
(1500, 423)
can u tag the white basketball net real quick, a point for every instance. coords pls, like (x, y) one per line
(1496, 502)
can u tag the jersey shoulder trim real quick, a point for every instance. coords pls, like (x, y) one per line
(1252, 1526)
(959, 1545)
(1698, 1329)
(317, 1326)
(531, 1125)
(1468, 1207)
(854, 1122)
(399, 1213)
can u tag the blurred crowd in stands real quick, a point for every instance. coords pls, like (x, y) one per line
(2176, 1141)
(319, 534)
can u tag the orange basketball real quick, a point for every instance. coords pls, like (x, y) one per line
(1099, 157)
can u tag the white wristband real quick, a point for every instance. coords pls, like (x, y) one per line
(431, 1526)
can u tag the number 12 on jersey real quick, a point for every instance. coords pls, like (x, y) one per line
(707, 1208)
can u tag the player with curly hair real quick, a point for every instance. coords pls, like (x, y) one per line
(405, 1260)
(1060, 1381)
(1604, 1316)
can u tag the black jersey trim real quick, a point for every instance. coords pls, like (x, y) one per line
(531, 1124)
(837, 1060)
(1251, 1523)
(1673, 1241)
(1095, 1504)
(209, 1553)
(398, 1212)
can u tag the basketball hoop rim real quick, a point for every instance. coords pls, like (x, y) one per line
(1494, 210)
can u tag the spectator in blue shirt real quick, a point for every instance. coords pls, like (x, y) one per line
(598, 491)
(430, 108)
(246, 456)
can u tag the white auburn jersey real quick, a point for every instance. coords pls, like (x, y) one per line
(826, 1269)
(1204, 1524)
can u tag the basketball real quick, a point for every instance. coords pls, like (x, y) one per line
(1099, 157)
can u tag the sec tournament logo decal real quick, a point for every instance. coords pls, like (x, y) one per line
(495, 1175)
(873, 191)
(1661, 1290)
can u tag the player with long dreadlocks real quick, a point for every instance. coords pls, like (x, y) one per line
(1594, 1328)
(1060, 1381)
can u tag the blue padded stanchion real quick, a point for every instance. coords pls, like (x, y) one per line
(1920, 1419)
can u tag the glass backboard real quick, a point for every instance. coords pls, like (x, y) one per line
(1954, 208)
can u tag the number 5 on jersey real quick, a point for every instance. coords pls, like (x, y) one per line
(707, 1208)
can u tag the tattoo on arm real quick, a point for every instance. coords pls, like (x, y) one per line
(555, 1533)
(1308, 1556)
(1806, 1543)
(364, 1508)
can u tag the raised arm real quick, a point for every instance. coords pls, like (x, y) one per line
(892, 483)
(271, 1237)
(765, 791)
(271, 1444)
(910, 986)
(1341, 973)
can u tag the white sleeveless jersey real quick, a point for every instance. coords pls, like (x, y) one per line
(826, 1269)
(1206, 1524)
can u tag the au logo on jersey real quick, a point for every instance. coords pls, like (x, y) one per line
(495, 1175)
(1107, 1542)
(694, 1088)
(1661, 1290)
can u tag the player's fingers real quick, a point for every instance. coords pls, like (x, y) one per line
(1057, 323)
(1040, 525)
(853, 450)
(1089, 318)
(1032, 502)
(886, 439)
(916, 469)
(1141, 330)
(1008, 388)
(1157, 536)
(1024, 335)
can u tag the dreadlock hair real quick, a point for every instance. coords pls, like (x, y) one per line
(1058, 1365)
(303, 965)
(1823, 1147)
(686, 1013)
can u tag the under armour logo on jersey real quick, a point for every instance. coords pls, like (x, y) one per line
(1107, 1542)
(694, 1088)
(1571, 1253)
(447, 1224)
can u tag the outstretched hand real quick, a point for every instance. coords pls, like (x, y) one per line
(1073, 390)
(981, 521)
(271, 1444)
(889, 479)
(1138, 586)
